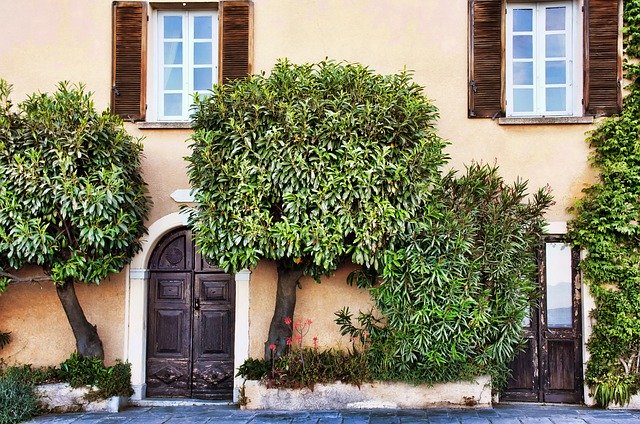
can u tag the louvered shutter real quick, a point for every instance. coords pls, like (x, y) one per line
(603, 69)
(235, 35)
(485, 58)
(129, 62)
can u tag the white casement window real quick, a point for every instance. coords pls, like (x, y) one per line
(543, 59)
(186, 60)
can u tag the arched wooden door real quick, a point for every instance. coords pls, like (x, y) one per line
(191, 318)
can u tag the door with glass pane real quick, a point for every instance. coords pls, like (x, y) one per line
(550, 368)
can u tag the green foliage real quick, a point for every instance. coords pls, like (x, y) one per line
(72, 198)
(306, 367)
(79, 371)
(18, 403)
(253, 369)
(311, 165)
(455, 290)
(5, 339)
(110, 381)
(606, 226)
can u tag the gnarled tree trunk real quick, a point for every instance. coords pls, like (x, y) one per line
(88, 342)
(285, 307)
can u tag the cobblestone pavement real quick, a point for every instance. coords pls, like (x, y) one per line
(507, 414)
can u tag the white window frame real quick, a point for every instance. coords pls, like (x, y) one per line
(574, 95)
(155, 83)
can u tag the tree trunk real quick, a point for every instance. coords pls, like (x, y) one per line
(285, 307)
(88, 342)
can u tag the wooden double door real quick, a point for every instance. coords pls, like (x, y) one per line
(550, 368)
(191, 319)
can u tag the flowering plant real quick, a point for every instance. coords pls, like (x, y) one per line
(304, 366)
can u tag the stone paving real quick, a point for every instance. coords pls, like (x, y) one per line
(502, 414)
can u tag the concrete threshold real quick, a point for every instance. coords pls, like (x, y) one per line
(181, 402)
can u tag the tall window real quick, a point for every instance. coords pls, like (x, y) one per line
(540, 59)
(187, 60)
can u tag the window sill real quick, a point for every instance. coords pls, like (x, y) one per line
(546, 120)
(177, 125)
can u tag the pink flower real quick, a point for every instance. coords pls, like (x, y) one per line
(296, 325)
(287, 320)
(272, 346)
(298, 339)
(289, 341)
(308, 322)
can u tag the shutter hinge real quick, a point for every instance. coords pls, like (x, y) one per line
(474, 86)
(115, 90)
(147, 18)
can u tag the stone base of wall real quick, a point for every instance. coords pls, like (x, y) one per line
(61, 397)
(370, 395)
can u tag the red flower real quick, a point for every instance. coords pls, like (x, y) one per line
(272, 346)
(287, 320)
(289, 341)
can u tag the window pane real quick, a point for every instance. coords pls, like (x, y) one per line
(202, 53)
(173, 104)
(173, 27)
(522, 19)
(555, 45)
(523, 73)
(173, 78)
(523, 100)
(556, 99)
(173, 53)
(555, 18)
(202, 78)
(202, 27)
(555, 72)
(559, 287)
(522, 46)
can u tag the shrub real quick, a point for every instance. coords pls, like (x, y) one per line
(306, 366)
(17, 401)
(109, 381)
(455, 289)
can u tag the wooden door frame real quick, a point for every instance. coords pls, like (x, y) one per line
(135, 322)
(539, 337)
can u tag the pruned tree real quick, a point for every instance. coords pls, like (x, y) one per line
(72, 199)
(311, 166)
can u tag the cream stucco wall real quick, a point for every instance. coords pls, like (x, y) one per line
(44, 42)
(40, 332)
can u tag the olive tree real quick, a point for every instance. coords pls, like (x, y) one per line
(72, 199)
(312, 166)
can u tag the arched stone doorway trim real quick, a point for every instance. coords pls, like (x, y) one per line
(137, 280)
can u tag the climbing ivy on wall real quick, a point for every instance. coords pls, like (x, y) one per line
(607, 226)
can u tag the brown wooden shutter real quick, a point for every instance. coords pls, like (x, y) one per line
(236, 24)
(485, 58)
(603, 64)
(129, 62)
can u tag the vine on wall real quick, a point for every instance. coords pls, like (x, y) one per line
(607, 226)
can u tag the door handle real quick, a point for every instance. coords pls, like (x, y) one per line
(196, 304)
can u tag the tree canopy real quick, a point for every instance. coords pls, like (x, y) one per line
(72, 198)
(310, 166)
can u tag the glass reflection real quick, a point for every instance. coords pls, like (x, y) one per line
(559, 285)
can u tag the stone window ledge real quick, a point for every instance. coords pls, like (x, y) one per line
(546, 120)
(178, 125)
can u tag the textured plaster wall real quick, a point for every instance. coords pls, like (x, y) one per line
(430, 38)
(316, 302)
(40, 332)
(45, 42)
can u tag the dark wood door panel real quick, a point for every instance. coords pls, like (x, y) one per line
(190, 323)
(550, 369)
(168, 377)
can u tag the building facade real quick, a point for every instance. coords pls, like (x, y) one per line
(517, 84)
